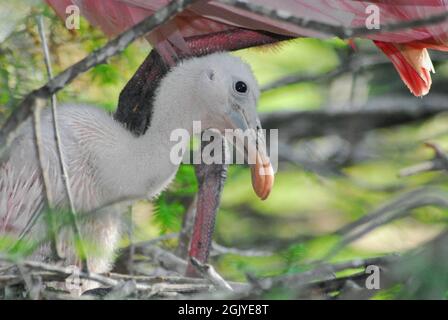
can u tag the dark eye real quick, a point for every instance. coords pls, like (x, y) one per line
(241, 87)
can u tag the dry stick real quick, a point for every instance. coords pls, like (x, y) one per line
(65, 271)
(322, 274)
(156, 285)
(49, 272)
(363, 262)
(157, 279)
(187, 229)
(330, 29)
(26, 279)
(62, 166)
(102, 279)
(218, 250)
(397, 208)
(378, 113)
(48, 197)
(209, 273)
(36, 265)
(352, 64)
(131, 231)
(431, 194)
(439, 162)
(111, 49)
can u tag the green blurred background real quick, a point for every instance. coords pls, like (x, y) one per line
(298, 221)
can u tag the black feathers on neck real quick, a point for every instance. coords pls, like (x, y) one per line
(136, 101)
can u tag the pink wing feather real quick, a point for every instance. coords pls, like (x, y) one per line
(406, 49)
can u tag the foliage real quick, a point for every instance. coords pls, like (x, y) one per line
(299, 220)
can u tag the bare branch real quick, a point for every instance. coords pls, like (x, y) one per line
(349, 65)
(209, 273)
(117, 283)
(378, 113)
(439, 162)
(395, 209)
(187, 229)
(46, 180)
(48, 197)
(58, 142)
(218, 249)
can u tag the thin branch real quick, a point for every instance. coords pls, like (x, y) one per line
(112, 48)
(58, 142)
(362, 263)
(65, 272)
(157, 279)
(395, 209)
(331, 29)
(352, 64)
(187, 229)
(36, 265)
(218, 250)
(378, 113)
(439, 162)
(48, 197)
(209, 273)
(165, 258)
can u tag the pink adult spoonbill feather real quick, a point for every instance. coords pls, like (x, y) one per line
(407, 49)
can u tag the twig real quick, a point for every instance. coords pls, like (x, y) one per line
(157, 279)
(209, 273)
(362, 263)
(62, 165)
(351, 64)
(439, 162)
(122, 285)
(331, 29)
(218, 249)
(48, 197)
(166, 259)
(111, 49)
(187, 229)
(63, 271)
(378, 113)
(395, 209)
(131, 231)
(151, 289)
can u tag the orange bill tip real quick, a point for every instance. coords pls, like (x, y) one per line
(262, 177)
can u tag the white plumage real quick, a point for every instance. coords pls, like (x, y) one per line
(107, 163)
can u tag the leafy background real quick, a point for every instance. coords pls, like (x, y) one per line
(300, 217)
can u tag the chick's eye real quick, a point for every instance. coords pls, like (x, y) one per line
(241, 87)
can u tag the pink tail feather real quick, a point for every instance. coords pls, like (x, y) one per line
(413, 65)
(406, 48)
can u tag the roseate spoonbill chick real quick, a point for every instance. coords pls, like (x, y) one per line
(106, 163)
